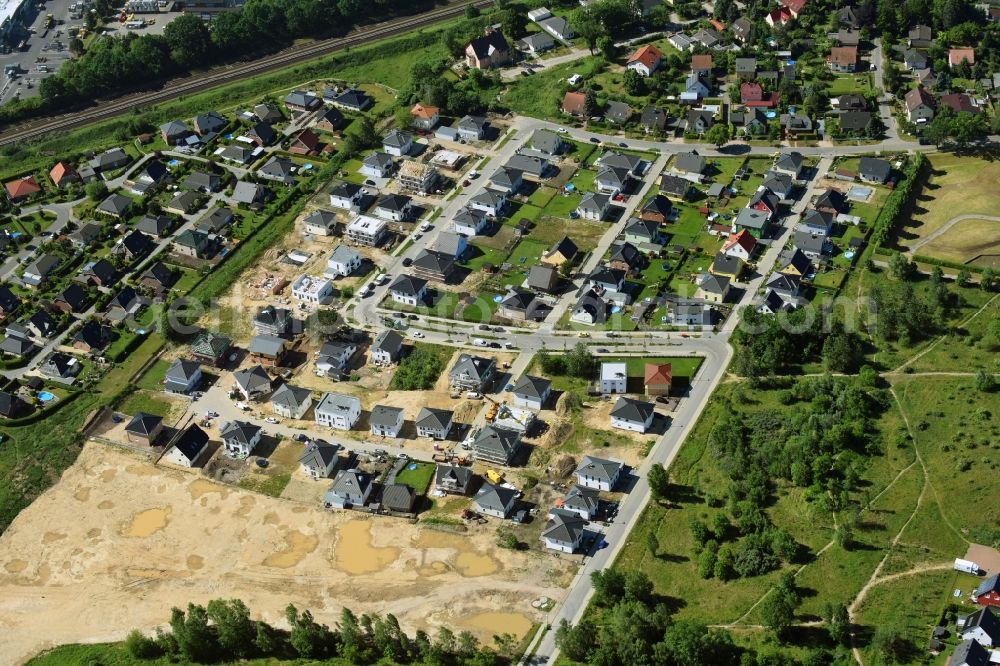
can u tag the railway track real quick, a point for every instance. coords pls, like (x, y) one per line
(224, 74)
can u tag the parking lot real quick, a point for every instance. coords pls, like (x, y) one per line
(46, 50)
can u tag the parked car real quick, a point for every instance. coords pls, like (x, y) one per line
(407, 262)
(271, 419)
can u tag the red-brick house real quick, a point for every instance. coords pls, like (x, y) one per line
(988, 592)
(753, 95)
(305, 143)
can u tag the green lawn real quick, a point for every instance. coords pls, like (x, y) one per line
(562, 205)
(418, 479)
(527, 253)
(152, 379)
(145, 401)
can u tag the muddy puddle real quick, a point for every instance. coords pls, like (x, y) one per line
(355, 553)
(149, 522)
(297, 546)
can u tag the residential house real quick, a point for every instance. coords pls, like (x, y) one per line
(752, 95)
(960, 55)
(969, 653)
(830, 201)
(491, 202)
(305, 142)
(740, 245)
(724, 265)
(157, 226)
(543, 278)
(71, 300)
(786, 286)
(366, 231)
(342, 262)
(919, 105)
(657, 210)
(453, 480)
(210, 348)
(795, 263)
(558, 27)
(116, 206)
(182, 376)
(873, 170)
(626, 258)
(434, 423)
(262, 134)
(252, 383)
(755, 221)
(653, 119)
(398, 497)
(158, 278)
(9, 302)
(988, 592)
(134, 245)
(377, 165)
(920, 37)
(240, 438)
(574, 103)
(418, 177)
(563, 531)
(791, 164)
(914, 60)
(174, 132)
(713, 288)
(398, 143)
(696, 87)
(535, 43)
(778, 16)
(299, 102)
(85, 235)
(522, 305)
(350, 99)
(562, 251)
(279, 170)
(433, 265)
(531, 392)
(746, 68)
(472, 373)
(394, 207)
(611, 181)
(41, 325)
(346, 196)
(350, 488)
(314, 289)
(645, 60)
(547, 141)
(334, 356)
(707, 37)
(599, 473)
(644, 233)
(318, 459)
(532, 163)
(268, 350)
(632, 415)
(489, 51)
(854, 123)
(983, 627)
(742, 30)
(425, 116)
(617, 113)
(144, 429)
(291, 402)
(959, 103)
(37, 271)
(590, 309)
(109, 160)
(189, 448)
(385, 421)
(594, 206)
(583, 501)
(658, 378)
(386, 348)
(320, 223)
(183, 203)
(408, 290)
(613, 378)
(251, 194)
(193, 243)
(699, 121)
(472, 128)
(329, 120)
(125, 304)
(17, 345)
(64, 174)
(496, 501)
(337, 411)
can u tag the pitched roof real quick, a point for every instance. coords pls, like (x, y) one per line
(489, 44)
(408, 285)
(384, 415)
(389, 341)
(497, 440)
(743, 239)
(398, 496)
(658, 373)
(628, 409)
(252, 379)
(182, 370)
(350, 482)
(574, 102)
(532, 387)
(191, 442)
(969, 653)
(648, 55)
(429, 417)
(991, 584)
(318, 454)
(424, 111)
(602, 468)
(496, 498)
(210, 344)
(291, 396)
(917, 96)
(564, 527)
(240, 431)
(581, 497)
(143, 424)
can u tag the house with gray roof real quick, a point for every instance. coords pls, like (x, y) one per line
(188, 449)
(320, 223)
(563, 531)
(543, 278)
(299, 101)
(337, 411)
(617, 113)
(144, 428)
(273, 321)
(398, 497)
(453, 479)
(600, 473)
(491, 202)
(969, 653)
(250, 194)
(239, 438)
(547, 141)
(583, 501)
(713, 288)
(115, 205)
(531, 392)
(983, 627)
(558, 27)
(785, 285)
(873, 170)
(790, 163)
(38, 270)
(472, 373)
(536, 42)
(451, 244)
(690, 162)
(434, 423)
(472, 128)
(633, 415)
(318, 459)
(386, 348)
(291, 402)
(268, 350)
(507, 180)
(611, 180)
(398, 143)
(590, 309)
(534, 165)
(182, 376)
(252, 383)
(350, 488)
(385, 421)
(496, 445)
(377, 165)
(408, 290)
(594, 206)
(496, 501)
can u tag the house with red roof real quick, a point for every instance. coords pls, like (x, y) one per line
(958, 102)
(22, 188)
(753, 95)
(740, 245)
(574, 103)
(305, 143)
(425, 116)
(779, 16)
(718, 25)
(794, 6)
(701, 64)
(956, 56)
(843, 58)
(645, 60)
(63, 174)
(658, 378)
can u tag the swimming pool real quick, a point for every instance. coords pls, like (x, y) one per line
(45, 396)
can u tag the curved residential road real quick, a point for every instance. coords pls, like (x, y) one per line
(937, 233)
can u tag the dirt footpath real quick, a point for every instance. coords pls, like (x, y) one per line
(118, 542)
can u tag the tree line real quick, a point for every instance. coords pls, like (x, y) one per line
(224, 631)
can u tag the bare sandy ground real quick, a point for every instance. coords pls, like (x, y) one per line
(118, 542)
